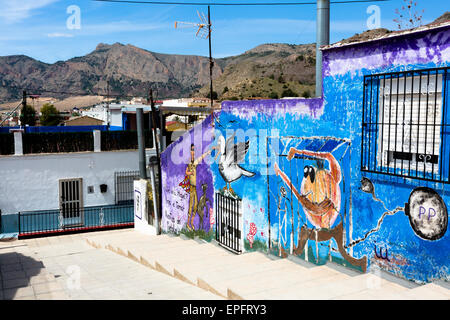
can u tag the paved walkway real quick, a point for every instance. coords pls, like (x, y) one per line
(66, 267)
(124, 264)
(257, 275)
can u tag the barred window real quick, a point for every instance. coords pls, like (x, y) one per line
(405, 128)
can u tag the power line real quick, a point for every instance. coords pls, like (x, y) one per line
(234, 4)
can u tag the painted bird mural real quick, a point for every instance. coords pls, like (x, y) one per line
(231, 154)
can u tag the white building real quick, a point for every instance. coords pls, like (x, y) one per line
(90, 189)
(122, 116)
(98, 112)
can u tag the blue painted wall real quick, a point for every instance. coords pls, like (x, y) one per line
(327, 133)
(55, 129)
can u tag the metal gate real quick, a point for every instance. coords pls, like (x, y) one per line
(229, 222)
(71, 202)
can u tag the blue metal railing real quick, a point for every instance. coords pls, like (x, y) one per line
(80, 219)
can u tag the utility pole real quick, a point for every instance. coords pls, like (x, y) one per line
(159, 213)
(107, 102)
(24, 99)
(211, 62)
(211, 65)
(141, 142)
(24, 103)
(322, 38)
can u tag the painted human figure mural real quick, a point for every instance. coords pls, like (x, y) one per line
(320, 193)
(190, 185)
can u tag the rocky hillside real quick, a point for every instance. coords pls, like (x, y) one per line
(131, 71)
(269, 70)
(128, 70)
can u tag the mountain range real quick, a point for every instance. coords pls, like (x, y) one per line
(268, 70)
(127, 70)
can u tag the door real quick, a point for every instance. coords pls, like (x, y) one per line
(71, 202)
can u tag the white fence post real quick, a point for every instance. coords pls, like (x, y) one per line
(18, 144)
(97, 141)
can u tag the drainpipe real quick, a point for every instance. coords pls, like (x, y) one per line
(322, 38)
(141, 142)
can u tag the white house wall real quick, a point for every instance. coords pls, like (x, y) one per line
(30, 182)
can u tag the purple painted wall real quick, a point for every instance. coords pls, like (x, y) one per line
(175, 198)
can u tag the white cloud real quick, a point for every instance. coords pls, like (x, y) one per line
(59, 35)
(118, 26)
(290, 26)
(17, 10)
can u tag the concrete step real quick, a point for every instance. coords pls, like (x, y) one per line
(121, 245)
(128, 236)
(286, 291)
(247, 273)
(168, 263)
(232, 268)
(428, 291)
(387, 291)
(154, 244)
(341, 286)
(165, 244)
(101, 240)
(136, 251)
(256, 275)
(292, 277)
(148, 255)
(190, 270)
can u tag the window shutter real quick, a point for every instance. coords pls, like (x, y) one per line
(410, 113)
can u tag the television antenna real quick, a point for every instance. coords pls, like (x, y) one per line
(203, 27)
(203, 31)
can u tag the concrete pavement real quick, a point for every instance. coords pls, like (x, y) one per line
(257, 275)
(124, 264)
(67, 268)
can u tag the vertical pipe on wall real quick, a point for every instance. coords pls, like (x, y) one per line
(141, 142)
(322, 38)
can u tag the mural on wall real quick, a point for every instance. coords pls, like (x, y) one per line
(231, 155)
(311, 179)
(188, 189)
(305, 194)
(315, 186)
(189, 184)
(428, 219)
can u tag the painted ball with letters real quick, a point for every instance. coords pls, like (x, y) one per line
(427, 213)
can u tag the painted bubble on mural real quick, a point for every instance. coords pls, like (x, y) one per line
(427, 213)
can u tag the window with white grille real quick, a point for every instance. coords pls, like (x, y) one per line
(405, 128)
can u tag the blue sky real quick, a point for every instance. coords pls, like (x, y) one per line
(38, 28)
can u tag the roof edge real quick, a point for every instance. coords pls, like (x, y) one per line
(390, 35)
